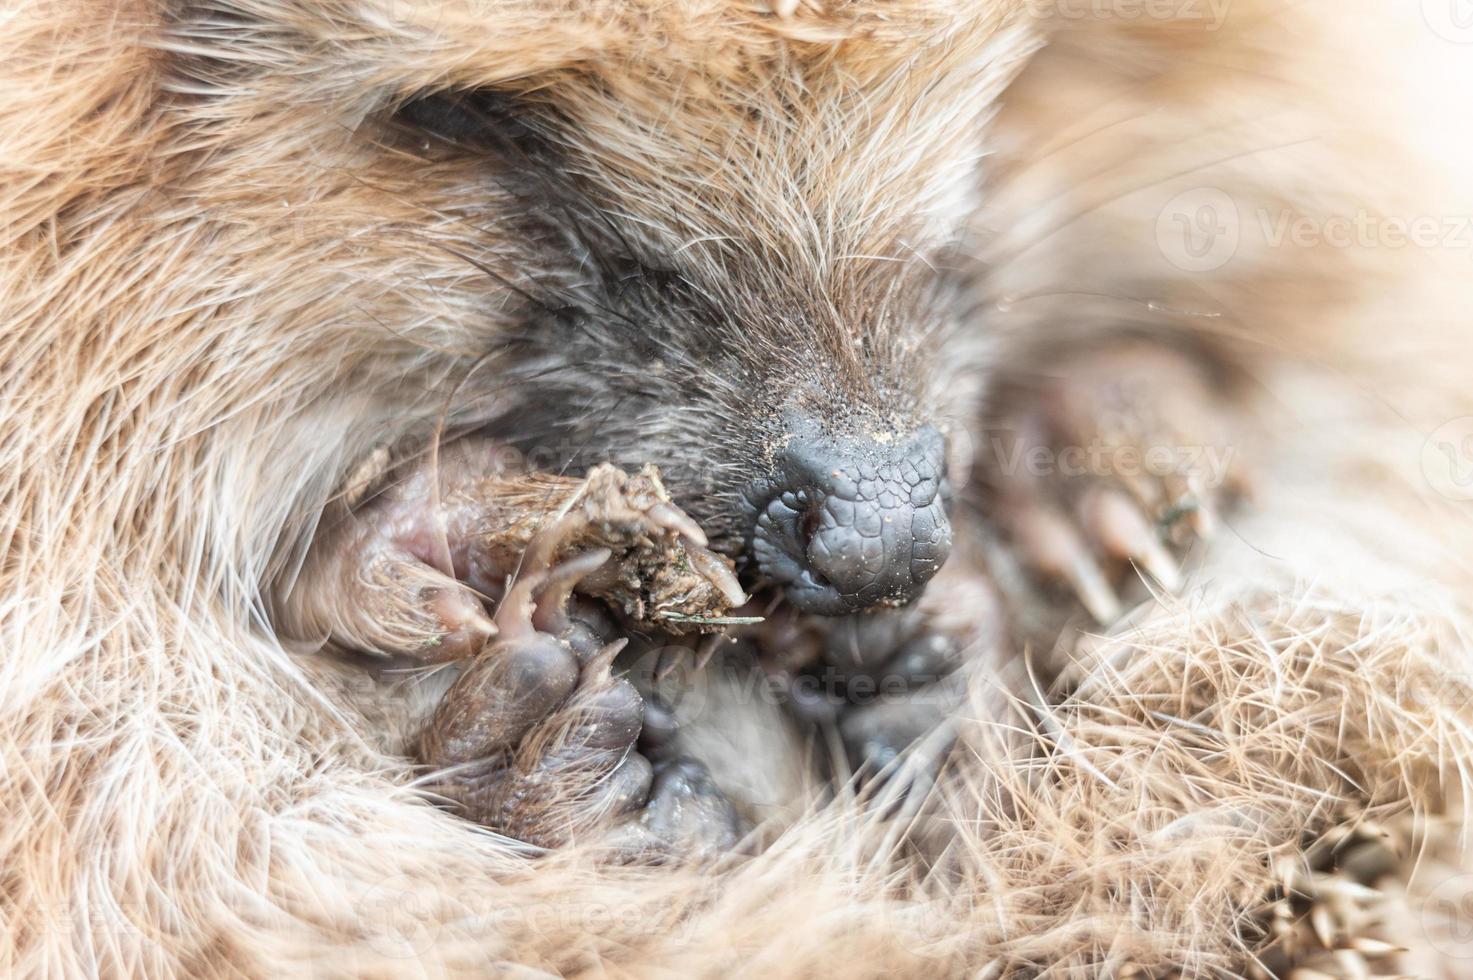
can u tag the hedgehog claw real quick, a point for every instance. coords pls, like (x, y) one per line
(1150, 416)
(673, 519)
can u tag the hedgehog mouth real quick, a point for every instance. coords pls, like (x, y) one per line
(780, 541)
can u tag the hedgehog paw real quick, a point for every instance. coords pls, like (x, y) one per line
(411, 571)
(1120, 461)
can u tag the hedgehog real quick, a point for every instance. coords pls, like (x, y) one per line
(789, 343)
(383, 378)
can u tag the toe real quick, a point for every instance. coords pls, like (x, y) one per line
(365, 594)
(660, 727)
(926, 659)
(877, 736)
(552, 611)
(688, 812)
(1123, 533)
(498, 698)
(612, 716)
(1055, 549)
(624, 790)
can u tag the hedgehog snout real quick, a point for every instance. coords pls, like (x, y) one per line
(849, 523)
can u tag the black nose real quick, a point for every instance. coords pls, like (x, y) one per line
(847, 523)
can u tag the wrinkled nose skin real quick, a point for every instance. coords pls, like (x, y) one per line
(848, 523)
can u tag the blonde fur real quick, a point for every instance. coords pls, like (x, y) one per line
(226, 282)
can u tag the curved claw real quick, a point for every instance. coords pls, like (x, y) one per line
(713, 568)
(514, 617)
(672, 518)
(1094, 590)
(600, 665)
(669, 660)
(1117, 523)
(1055, 549)
(541, 553)
(522, 612)
(1203, 516)
(551, 613)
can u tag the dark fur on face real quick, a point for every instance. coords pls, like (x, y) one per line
(630, 351)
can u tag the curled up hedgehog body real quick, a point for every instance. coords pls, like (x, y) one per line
(387, 381)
